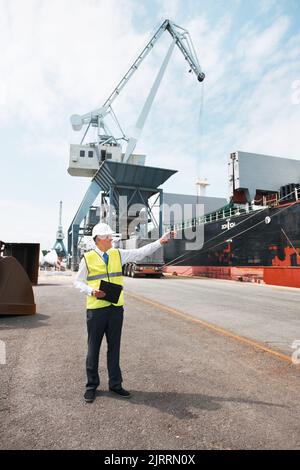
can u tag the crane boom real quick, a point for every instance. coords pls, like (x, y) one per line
(187, 50)
(189, 55)
(181, 38)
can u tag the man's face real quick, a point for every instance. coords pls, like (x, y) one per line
(104, 243)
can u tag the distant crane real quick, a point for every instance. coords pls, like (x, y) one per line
(59, 246)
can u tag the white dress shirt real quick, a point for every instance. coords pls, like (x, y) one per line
(126, 256)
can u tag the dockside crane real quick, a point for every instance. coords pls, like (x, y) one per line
(88, 159)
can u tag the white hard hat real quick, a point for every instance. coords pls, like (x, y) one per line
(102, 230)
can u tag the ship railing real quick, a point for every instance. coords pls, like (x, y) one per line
(208, 218)
(228, 213)
(293, 195)
(267, 201)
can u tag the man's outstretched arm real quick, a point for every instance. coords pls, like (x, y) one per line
(138, 254)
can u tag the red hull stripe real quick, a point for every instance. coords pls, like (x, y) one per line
(276, 275)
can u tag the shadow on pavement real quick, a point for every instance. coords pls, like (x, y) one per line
(179, 404)
(9, 322)
(46, 284)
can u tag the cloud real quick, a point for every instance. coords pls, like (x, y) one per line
(266, 5)
(55, 52)
(256, 47)
(58, 58)
(169, 9)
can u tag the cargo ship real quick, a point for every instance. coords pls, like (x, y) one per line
(254, 240)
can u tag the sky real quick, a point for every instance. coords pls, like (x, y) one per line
(62, 57)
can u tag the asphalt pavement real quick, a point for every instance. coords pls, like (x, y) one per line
(192, 387)
(263, 313)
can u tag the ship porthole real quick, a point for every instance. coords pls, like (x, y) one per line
(267, 220)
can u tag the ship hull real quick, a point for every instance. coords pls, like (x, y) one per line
(262, 246)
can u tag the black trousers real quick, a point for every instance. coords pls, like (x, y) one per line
(100, 321)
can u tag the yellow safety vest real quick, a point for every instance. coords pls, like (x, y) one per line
(97, 270)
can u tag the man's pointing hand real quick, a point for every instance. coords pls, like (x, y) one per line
(167, 237)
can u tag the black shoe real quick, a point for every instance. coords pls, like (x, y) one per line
(90, 395)
(120, 391)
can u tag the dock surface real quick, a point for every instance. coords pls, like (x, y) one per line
(263, 313)
(192, 388)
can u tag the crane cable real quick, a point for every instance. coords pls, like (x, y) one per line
(200, 125)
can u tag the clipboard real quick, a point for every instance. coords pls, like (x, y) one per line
(112, 291)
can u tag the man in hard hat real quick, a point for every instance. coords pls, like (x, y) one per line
(103, 317)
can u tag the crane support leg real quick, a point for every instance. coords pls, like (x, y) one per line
(73, 233)
(147, 106)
